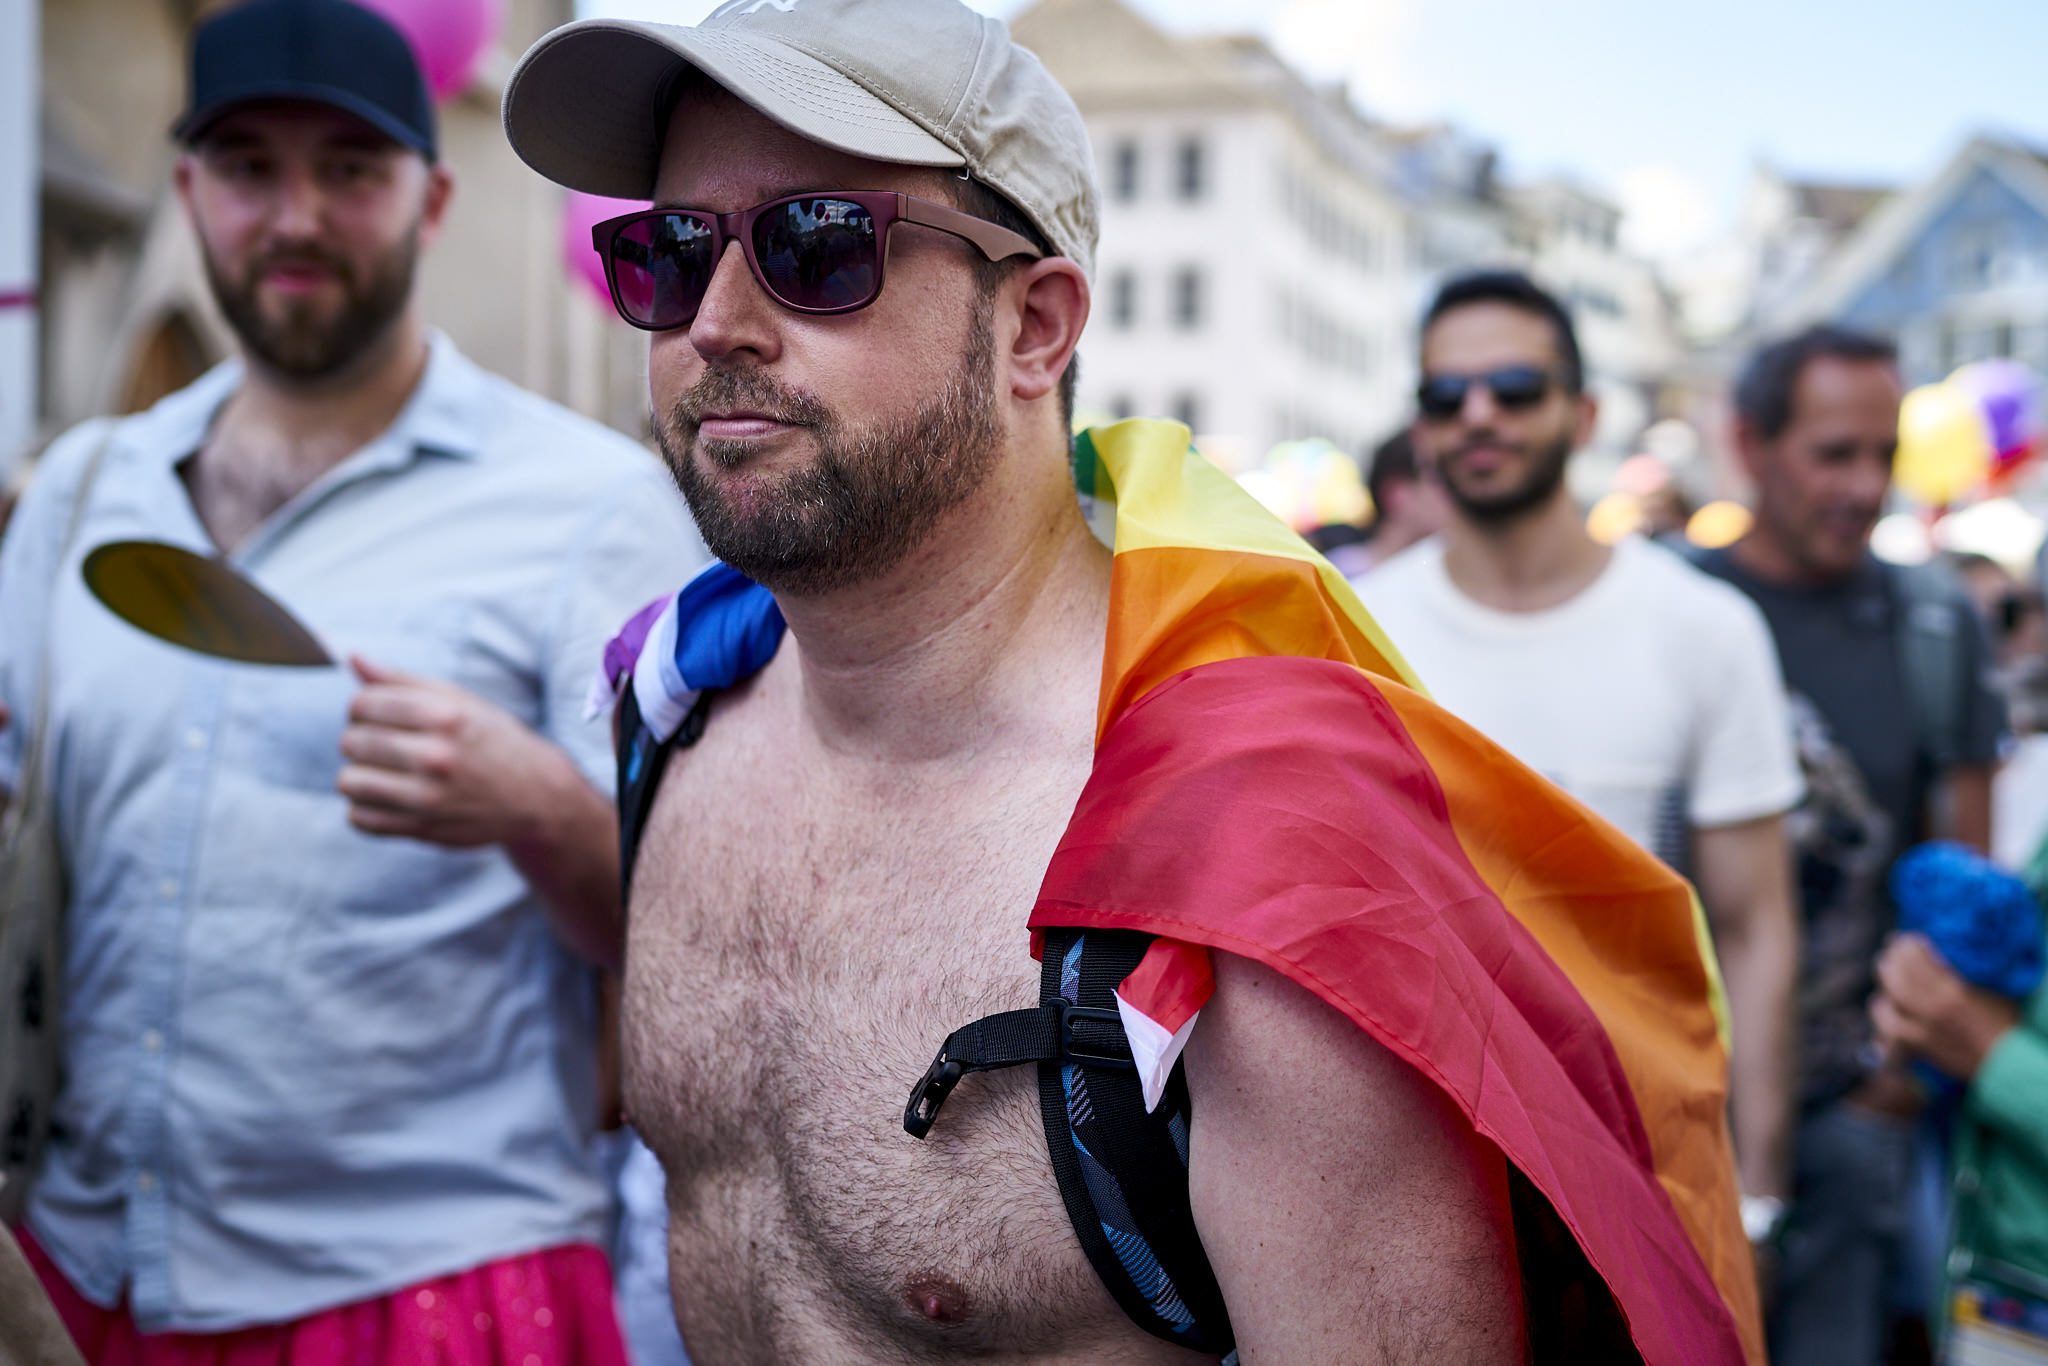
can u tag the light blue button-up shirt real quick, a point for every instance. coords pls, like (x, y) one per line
(307, 1065)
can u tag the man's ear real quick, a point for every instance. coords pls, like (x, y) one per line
(1587, 422)
(1425, 454)
(1749, 450)
(434, 209)
(181, 179)
(1050, 297)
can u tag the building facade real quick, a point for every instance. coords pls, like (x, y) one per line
(1267, 249)
(1254, 278)
(1955, 268)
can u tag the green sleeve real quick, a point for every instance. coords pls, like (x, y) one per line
(2010, 1091)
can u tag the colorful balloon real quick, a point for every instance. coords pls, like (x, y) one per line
(580, 213)
(448, 36)
(1944, 444)
(2011, 399)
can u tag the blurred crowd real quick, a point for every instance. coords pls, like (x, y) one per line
(1791, 722)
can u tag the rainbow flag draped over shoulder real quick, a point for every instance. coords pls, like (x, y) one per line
(1271, 781)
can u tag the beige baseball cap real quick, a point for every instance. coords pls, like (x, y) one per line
(915, 82)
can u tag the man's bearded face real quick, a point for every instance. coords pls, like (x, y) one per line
(869, 496)
(310, 224)
(1499, 462)
(306, 337)
(1540, 468)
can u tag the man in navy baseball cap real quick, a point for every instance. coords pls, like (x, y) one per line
(310, 179)
(330, 1093)
(327, 52)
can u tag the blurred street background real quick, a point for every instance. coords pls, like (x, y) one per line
(1284, 184)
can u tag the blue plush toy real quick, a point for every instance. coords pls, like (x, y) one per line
(1981, 919)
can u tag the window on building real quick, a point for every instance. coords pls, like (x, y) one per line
(1187, 297)
(2031, 345)
(1976, 256)
(1123, 299)
(1123, 171)
(1968, 344)
(1919, 348)
(2001, 340)
(1189, 171)
(1187, 410)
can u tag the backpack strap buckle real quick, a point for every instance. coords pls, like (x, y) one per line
(1056, 1032)
(939, 1080)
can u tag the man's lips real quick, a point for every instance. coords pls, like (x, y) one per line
(739, 426)
(298, 277)
(1480, 459)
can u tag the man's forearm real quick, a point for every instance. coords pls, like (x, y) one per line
(1745, 882)
(1760, 961)
(570, 856)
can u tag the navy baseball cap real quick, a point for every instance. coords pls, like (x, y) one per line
(326, 52)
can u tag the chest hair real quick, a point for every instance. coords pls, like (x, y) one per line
(798, 948)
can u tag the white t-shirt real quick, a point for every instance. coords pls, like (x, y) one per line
(1654, 696)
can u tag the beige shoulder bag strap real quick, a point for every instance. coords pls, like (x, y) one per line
(32, 899)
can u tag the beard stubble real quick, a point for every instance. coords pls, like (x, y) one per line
(300, 344)
(871, 494)
(1546, 475)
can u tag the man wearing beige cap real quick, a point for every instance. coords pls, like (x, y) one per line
(849, 751)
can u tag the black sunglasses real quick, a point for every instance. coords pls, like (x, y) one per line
(1514, 387)
(812, 253)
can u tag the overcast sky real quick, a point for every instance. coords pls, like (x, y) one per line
(1663, 104)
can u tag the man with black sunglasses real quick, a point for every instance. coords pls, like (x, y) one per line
(330, 1008)
(1640, 685)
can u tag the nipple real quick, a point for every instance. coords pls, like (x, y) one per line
(936, 1299)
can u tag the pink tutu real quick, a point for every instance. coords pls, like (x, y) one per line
(553, 1307)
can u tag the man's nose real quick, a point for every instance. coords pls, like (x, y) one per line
(299, 205)
(1871, 480)
(1479, 409)
(736, 314)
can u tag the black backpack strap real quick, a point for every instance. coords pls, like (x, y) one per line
(1932, 622)
(1123, 1173)
(1050, 1033)
(642, 760)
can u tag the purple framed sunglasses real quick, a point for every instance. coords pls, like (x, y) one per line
(812, 253)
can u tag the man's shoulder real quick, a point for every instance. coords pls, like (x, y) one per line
(174, 419)
(1393, 583)
(55, 479)
(1406, 565)
(62, 463)
(1930, 586)
(529, 426)
(1688, 595)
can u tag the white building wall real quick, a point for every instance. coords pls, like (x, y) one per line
(1304, 325)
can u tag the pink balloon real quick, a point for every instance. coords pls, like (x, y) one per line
(447, 36)
(580, 213)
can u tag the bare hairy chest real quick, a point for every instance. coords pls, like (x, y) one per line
(797, 951)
